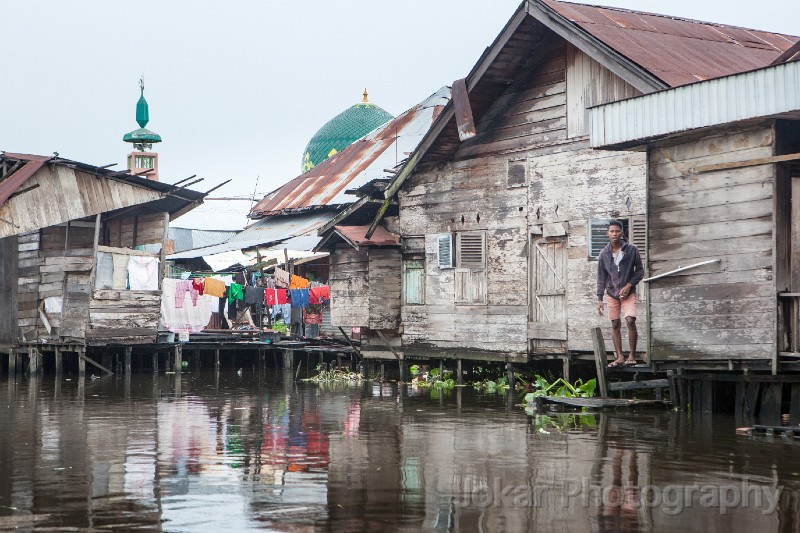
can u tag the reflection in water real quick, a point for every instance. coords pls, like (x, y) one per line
(213, 450)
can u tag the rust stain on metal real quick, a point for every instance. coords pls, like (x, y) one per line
(463, 111)
(678, 51)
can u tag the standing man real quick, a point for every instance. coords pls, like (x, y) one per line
(619, 270)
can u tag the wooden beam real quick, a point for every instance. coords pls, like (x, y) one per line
(378, 217)
(85, 357)
(162, 255)
(386, 342)
(637, 385)
(600, 360)
(95, 246)
(747, 163)
(463, 111)
(350, 343)
(792, 54)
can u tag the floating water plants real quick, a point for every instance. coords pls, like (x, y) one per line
(561, 388)
(336, 376)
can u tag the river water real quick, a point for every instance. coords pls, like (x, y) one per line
(210, 451)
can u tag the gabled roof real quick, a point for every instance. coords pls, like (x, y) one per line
(650, 52)
(174, 199)
(362, 161)
(676, 50)
(37, 192)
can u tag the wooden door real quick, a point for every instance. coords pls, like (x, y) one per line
(547, 324)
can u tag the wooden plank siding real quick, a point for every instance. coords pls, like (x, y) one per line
(8, 290)
(527, 166)
(67, 194)
(385, 272)
(724, 310)
(349, 284)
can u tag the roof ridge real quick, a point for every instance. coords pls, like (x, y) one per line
(673, 17)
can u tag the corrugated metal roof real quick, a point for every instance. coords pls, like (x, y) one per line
(356, 235)
(362, 161)
(175, 198)
(765, 92)
(677, 50)
(266, 232)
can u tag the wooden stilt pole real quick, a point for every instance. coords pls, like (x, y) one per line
(178, 353)
(58, 360)
(128, 354)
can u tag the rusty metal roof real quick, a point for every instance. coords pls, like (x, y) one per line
(677, 50)
(356, 235)
(362, 161)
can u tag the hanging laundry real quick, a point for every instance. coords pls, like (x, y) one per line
(283, 297)
(181, 288)
(199, 285)
(214, 287)
(254, 295)
(282, 278)
(227, 279)
(235, 292)
(270, 297)
(298, 282)
(119, 281)
(318, 295)
(299, 297)
(185, 319)
(143, 273)
(104, 275)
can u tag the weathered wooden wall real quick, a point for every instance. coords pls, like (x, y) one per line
(570, 188)
(46, 269)
(384, 288)
(133, 231)
(28, 285)
(67, 194)
(349, 287)
(123, 316)
(468, 196)
(8, 290)
(528, 166)
(727, 310)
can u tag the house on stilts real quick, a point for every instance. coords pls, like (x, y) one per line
(503, 206)
(73, 274)
(723, 232)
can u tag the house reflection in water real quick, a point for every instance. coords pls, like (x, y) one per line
(215, 451)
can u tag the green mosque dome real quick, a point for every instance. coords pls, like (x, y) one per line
(343, 130)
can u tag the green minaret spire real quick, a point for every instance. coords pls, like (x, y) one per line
(142, 111)
(142, 139)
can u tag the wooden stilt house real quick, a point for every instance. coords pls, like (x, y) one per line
(504, 198)
(68, 232)
(723, 224)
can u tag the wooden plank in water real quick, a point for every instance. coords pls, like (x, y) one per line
(604, 403)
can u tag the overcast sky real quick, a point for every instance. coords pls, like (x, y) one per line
(236, 89)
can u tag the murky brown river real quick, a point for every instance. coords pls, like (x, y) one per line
(219, 452)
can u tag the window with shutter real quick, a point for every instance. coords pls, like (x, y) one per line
(445, 248)
(634, 229)
(470, 274)
(414, 281)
